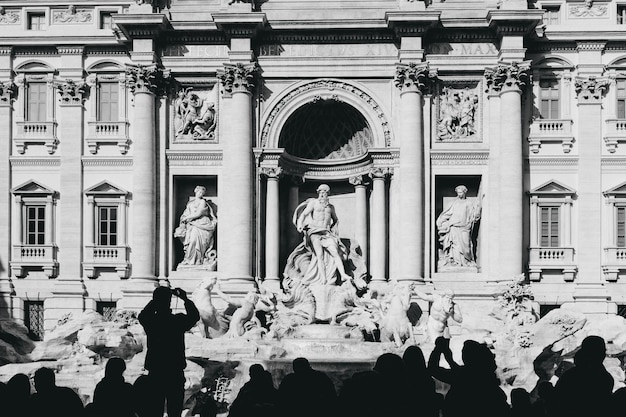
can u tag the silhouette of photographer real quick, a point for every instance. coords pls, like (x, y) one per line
(165, 359)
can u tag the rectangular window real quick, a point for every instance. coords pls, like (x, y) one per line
(621, 99)
(35, 225)
(107, 309)
(106, 20)
(108, 101)
(549, 227)
(107, 226)
(621, 14)
(37, 98)
(551, 15)
(36, 21)
(549, 99)
(621, 227)
(33, 319)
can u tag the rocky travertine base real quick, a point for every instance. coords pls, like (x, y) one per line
(78, 350)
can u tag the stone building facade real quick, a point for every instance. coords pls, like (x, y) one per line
(113, 112)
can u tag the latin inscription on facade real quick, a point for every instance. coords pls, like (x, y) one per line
(197, 51)
(335, 50)
(462, 49)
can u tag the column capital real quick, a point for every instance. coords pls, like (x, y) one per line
(383, 173)
(589, 90)
(7, 92)
(238, 78)
(358, 181)
(273, 173)
(507, 76)
(414, 77)
(152, 79)
(71, 92)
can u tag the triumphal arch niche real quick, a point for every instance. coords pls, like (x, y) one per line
(326, 133)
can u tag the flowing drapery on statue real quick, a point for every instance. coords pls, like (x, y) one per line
(455, 225)
(197, 231)
(321, 256)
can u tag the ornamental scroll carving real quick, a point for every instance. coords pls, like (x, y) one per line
(7, 91)
(588, 10)
(72, 92)
(507, 76)
(71, 15)
(9, 17)
(591, 89)
(458, 114)
(414, 77)
(195, 115)
(238, 78)
(147, 79)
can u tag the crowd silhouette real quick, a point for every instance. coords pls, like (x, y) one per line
(395, 386)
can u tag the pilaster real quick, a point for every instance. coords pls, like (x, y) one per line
(7, 97)
(360, 214)
(378, 257)
(272, 226)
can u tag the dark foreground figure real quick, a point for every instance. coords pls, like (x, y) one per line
(165, 359)
(306, 392)
(51, 400)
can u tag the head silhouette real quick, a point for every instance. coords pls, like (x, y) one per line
(414, 359)
(520, 398)
(18, 387)
(592, 351)
(162, 296)
(256, 372)
(114, 369)
(545, 389)
(389, 365)
(301, 365)
(44, 380)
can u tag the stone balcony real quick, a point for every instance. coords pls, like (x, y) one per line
(614, 262)
(551, 130)
(100, 133)
(36, 133)
(615, 133)
(27, 257)
(106, 257)
(542, 259)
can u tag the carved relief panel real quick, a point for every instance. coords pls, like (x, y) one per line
(458, 111)
(194, 112)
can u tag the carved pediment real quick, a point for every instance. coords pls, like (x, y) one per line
(32, 187)
(105, 188)
(551, 188)
(618, 190)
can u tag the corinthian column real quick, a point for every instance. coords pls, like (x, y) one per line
(412, 80)
(360, 214)
(506, 80)
(145, 82)
(272, 226)
(236, 187)
(378, 257)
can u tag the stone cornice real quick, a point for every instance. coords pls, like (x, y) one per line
(142, 26)
(507, 76)
(147, 79)
(238, 78)
(17, 161)
(616, 162)
(412, 23)
(416, 77)
(6, 50)
(183, 158)
(590, 46)
(71, 50)
(514, 22)
(273, 37)
(240, 25)
(107, 161)
(553, 161)
(589, 90)
(459, 158)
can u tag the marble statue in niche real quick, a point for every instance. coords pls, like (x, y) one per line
(194, 116)
(457, 114)
(454, 227)
(196, 231)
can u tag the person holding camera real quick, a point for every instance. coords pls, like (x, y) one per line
(165, 359)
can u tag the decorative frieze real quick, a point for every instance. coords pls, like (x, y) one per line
(89, 161)
(71, 92)
(588, 10)
(459, 158)
(7, 91)
(19, 161)
(238, 78)
(417, 77)
(147, 79)
(72, 15)
(178, 158)
(507, 76)
(590, 89)
(9, 17)
(458, 112)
